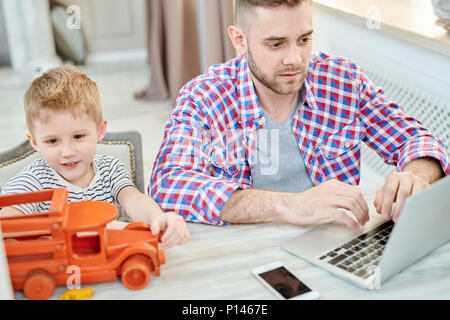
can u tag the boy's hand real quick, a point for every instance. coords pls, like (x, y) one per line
(174, 228)
(141, 207)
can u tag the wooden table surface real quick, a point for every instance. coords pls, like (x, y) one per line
(216, 263)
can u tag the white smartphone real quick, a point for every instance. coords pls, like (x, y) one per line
(283, 283)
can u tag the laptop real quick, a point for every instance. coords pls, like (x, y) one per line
(6, 292)
(380, 249)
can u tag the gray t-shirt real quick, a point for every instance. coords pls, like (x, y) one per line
(279, 164)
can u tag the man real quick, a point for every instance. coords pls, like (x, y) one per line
(210, 167)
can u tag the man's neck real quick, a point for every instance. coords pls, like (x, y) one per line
(277, 106)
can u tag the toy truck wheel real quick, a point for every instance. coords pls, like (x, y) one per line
(39, 285)
(139, 226)
(161, 256)
(136, 272)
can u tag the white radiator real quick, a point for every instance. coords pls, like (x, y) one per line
(433, 113)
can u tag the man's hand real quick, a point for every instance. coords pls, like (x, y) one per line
(317, 205)
(415, 177)
(323, 202)
(174, 228)
(398, 187)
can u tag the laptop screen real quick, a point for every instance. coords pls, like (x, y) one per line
(6, 292)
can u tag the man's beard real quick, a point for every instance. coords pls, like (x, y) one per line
(271, 83)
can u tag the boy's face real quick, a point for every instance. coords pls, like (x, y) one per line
(68, 144)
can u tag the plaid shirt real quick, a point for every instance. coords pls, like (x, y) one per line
(208, 150)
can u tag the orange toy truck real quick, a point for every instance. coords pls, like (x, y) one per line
(42, 247)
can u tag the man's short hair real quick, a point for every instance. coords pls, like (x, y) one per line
(243, 8)
(64, 88)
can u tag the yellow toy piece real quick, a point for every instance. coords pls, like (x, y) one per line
(77, 294)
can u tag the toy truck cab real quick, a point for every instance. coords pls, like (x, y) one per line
(42, 248)
(85, 232)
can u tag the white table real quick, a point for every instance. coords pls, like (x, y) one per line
(216, 263)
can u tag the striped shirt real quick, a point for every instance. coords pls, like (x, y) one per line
(208, 150)
(110, 177)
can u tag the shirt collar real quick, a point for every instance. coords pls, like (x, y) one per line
(248, 100)
(249, 106)
(310, 97)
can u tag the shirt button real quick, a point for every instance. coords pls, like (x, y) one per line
(261, 122)
(347, 145)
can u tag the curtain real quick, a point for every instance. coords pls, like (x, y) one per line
(183, 38)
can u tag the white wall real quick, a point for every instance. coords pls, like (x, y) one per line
(421, 68)
(4, 49)
(113, 29)
(424, 70)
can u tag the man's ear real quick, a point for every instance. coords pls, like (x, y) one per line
(32, 142)
(101, 131)
(238, 39)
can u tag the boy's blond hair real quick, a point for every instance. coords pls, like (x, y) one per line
(64, 88)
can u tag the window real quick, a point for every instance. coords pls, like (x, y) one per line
(84, 243)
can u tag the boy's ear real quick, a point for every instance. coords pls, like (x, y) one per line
(32, 142)
(102, 130)
(238, 39)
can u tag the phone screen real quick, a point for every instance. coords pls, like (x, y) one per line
(284, 282)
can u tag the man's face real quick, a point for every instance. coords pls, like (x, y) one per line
(278, 46)
(68, 144)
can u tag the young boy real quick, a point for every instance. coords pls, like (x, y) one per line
(65, 122)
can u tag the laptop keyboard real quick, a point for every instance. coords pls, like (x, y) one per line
(358, 255)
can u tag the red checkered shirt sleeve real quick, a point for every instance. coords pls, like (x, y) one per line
(182, 180)
(394, 135)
